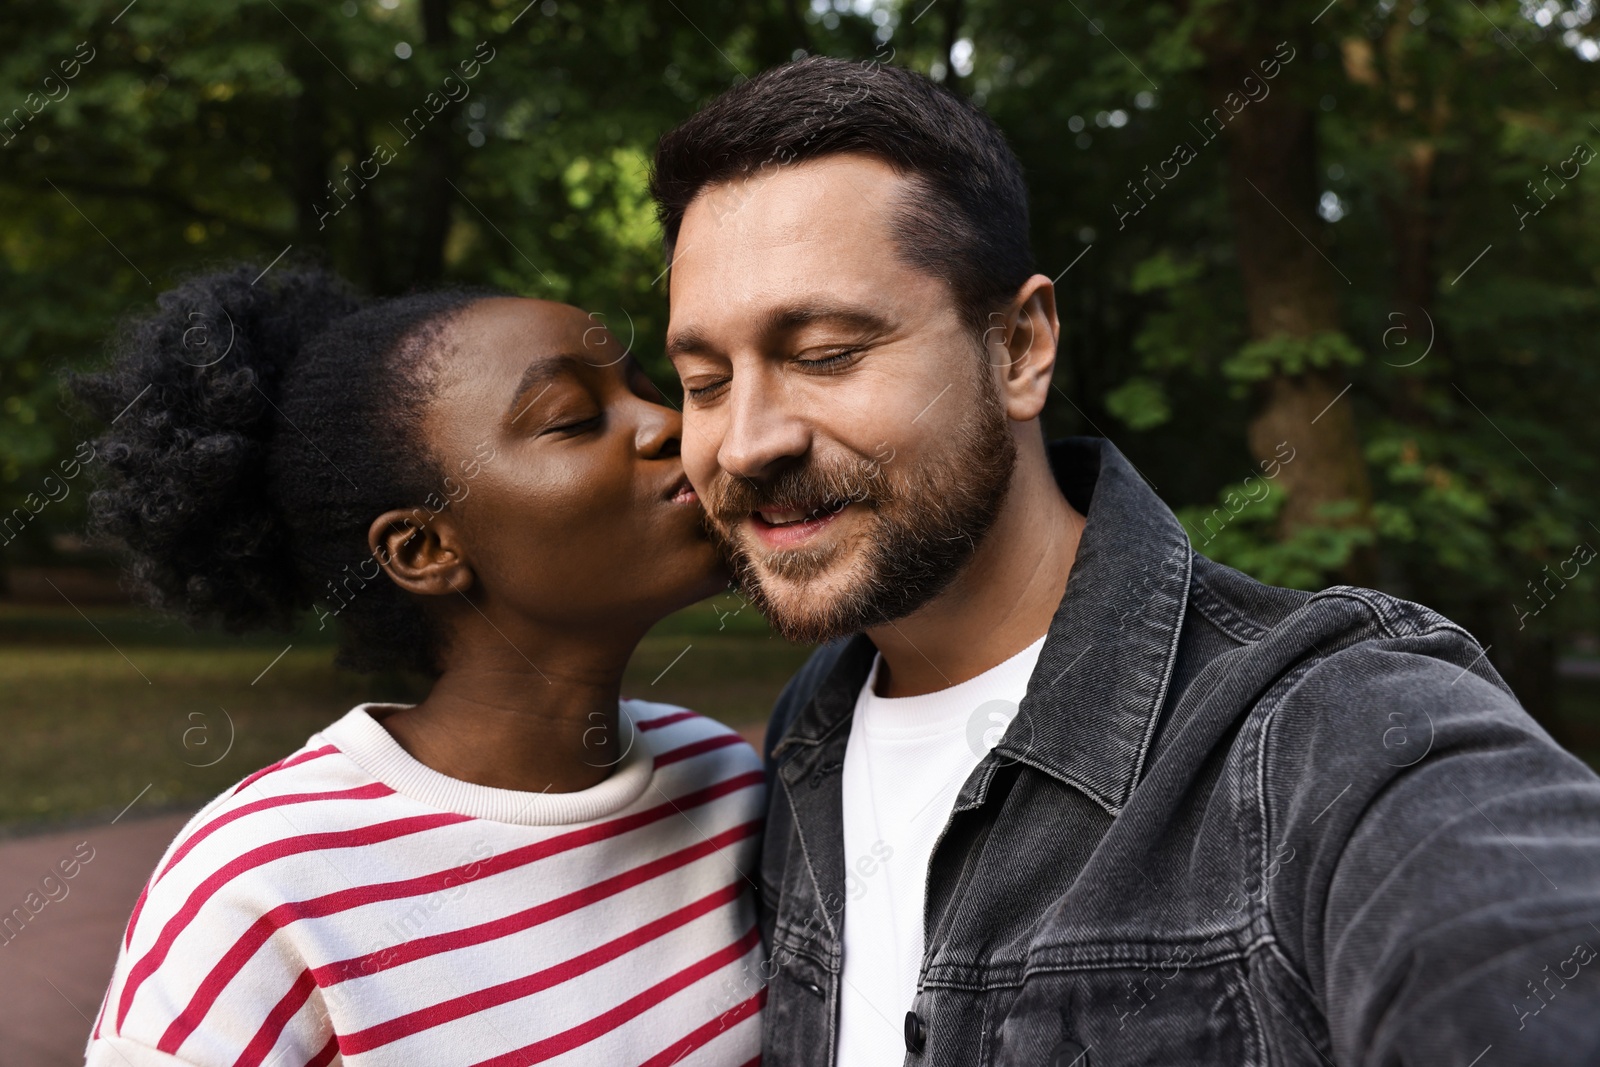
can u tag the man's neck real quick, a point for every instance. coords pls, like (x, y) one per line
(1002, 601)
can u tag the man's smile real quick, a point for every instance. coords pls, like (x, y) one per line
(789, 527)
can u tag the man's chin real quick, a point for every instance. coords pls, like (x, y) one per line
(805, 610)
(806, 623)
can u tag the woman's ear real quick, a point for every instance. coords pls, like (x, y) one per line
(421, 557)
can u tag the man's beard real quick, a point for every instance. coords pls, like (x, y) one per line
(924, 522)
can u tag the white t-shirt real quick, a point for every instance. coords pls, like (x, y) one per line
(905, 762)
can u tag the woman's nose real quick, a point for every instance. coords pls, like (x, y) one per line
(660, 432)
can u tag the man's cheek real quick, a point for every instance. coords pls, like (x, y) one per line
(699, 452)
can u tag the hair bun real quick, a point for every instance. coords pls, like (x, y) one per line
(190, 400)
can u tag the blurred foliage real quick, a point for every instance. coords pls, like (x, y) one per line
(1464, 255)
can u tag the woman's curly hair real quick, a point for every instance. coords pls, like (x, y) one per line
(256, 425)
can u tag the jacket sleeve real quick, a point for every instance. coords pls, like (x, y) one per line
(1446, 908)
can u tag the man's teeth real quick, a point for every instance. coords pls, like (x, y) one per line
(787, 517)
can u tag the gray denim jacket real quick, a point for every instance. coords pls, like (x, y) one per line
(1230, 824)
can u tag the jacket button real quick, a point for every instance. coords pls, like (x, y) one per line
(916, 1033)
(1069, 1054)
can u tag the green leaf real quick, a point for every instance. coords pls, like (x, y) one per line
(1285, 355)
(1139, 402)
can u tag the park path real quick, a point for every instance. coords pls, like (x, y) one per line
(54, 970)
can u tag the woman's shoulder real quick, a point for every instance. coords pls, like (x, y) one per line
(678, 735)
(307, 798)
(316, 770)
(247, 864)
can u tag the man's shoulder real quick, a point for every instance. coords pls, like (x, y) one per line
(1349, 673)
(1336, 658)
(1318, 624)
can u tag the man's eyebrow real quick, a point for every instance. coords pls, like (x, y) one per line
(541, 373)
(786, 318)
(686, 341)
(794, 316)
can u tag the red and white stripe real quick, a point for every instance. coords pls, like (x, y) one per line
(317, 914)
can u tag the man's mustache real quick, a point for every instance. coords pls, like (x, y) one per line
(813, 487)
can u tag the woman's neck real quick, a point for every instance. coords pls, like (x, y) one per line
(544, 722)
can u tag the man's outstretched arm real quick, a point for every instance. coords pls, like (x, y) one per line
(1447, 882)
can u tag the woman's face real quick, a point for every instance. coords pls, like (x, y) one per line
(564, 483)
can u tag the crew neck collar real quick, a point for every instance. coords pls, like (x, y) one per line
(361, 737)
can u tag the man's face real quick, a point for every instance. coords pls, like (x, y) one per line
(841, 422)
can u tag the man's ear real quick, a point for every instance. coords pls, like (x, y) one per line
(1020, 344)
(421, 557)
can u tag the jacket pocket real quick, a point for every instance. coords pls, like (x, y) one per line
(1160, 1014)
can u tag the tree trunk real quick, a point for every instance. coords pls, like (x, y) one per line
(377, 263)
(779, 30)
(310, 162)
(955, 16)
(1291, 290)
(1526, 659)
(437, 164)
(1411, 205)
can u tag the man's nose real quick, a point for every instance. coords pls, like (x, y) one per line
(763, 428)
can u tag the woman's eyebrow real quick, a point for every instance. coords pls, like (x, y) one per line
(542, 372)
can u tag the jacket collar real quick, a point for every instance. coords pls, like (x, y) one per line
(1103, 673)
(1102, 676)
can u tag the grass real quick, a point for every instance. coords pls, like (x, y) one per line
(121, 706)
(100, 707)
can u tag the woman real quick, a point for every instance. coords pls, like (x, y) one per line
(521, 868)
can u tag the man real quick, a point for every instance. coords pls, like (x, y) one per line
(1057, 789)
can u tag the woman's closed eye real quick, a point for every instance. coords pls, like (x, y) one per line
(573, 425)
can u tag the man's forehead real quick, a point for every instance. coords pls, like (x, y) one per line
(819, 198)
(822, 226)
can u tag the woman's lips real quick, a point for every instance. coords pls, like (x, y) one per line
(789, 534)
(682, 492)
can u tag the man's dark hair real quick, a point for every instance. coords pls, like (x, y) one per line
(965, 220)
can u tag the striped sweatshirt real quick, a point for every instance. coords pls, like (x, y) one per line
(350, 905)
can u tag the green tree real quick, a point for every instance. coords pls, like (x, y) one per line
(405, 142)
(1299, 229)
(1341, 263)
